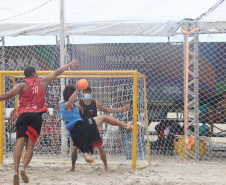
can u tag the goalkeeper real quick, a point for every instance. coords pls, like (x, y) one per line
(90, 106)
(84, 131)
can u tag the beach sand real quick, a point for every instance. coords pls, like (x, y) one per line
(55, 174)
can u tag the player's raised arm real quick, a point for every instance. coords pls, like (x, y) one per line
(17, 89)
(57, 72)
(69, 105)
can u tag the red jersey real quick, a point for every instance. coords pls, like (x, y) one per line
(33, 99)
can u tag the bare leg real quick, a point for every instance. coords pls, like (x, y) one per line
(74, 156)
(103, 157)
(27, 158)
(88, 157)
(24, 176)
(17, 153)
(16, 179)
(112, 121)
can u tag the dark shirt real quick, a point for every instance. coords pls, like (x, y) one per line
(89, 111)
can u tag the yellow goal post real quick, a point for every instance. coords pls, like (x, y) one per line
(133, 74)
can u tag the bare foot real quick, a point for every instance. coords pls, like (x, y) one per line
(106, 169)
(24, 176)
(129, 125)
(71, 170)
(16, 179)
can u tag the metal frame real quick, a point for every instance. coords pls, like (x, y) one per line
(191, 102)
(88, 74)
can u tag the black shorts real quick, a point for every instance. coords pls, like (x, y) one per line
(29, 124)
(80, 137)
(85, 135)
(93, 131)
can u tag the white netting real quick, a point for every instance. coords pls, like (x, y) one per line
(133, 45)
(163, 66)
(110, 92)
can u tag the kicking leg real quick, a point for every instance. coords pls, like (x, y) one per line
(112, 121)
(27, 158)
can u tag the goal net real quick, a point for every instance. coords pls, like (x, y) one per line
(112, 89)
(162, 65)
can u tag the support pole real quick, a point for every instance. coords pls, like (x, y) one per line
(134, 142)
(3, 54)
(62, 81)
(1, 122)
(191, 102)
(2, 104)
(146, 113)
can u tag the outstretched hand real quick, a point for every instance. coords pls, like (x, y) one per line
(125, 107)
(74, 63)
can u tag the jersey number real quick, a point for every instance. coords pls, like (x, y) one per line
(35, 90)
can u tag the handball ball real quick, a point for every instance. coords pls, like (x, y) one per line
(82, 84)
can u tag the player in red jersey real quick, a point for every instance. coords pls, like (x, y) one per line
(31, 107)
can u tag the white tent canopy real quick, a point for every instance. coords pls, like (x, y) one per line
(105, 17)
(216, 19)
